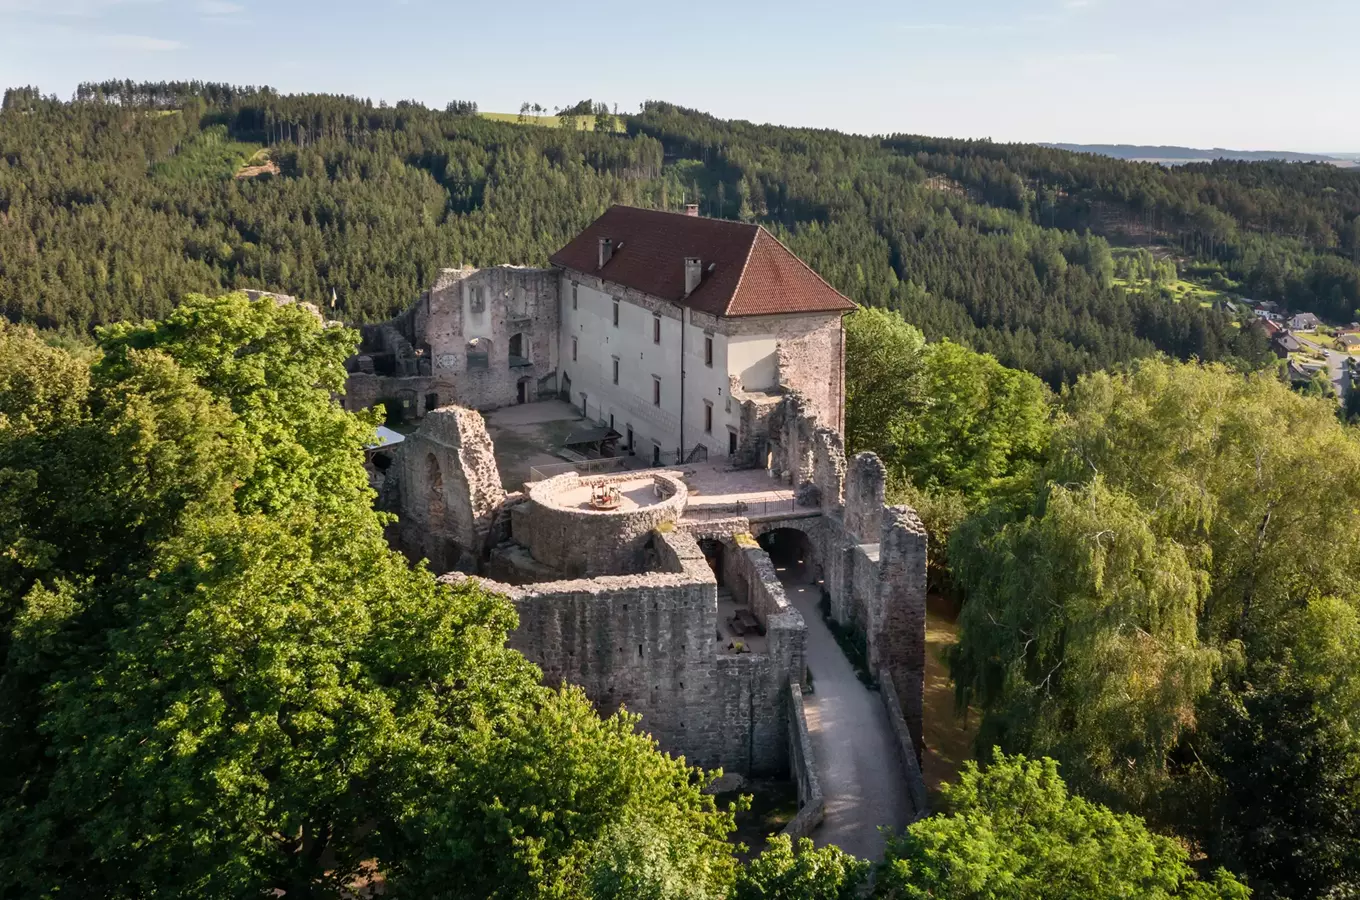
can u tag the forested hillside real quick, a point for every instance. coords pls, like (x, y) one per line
(120, 202)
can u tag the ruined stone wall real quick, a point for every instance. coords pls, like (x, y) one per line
(810, 358)
(906, 744)
(803, 769)
(427, 345)
(646, 641)
(588, 542)
(865, 487)
(494, 304)
(898, 616)
(450, 490)
(650, 642)
(751, 686)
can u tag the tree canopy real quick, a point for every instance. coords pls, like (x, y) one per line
(1012, 830)
(1173, 617)
(218, 679)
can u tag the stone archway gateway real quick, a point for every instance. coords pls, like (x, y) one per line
(793, 550)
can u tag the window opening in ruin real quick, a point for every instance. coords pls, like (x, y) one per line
(583, 406)
(731, 443)
(656, 329)
(574, 286)
(656, 391)
(522, 392)
(573, 349)
(616, 314)
(519, 352)
(630, 438)
(708, 417)
(611, 421)
(639, 651)
(708, 351)
(478, 302)
(435, 499)
(616, 370)
(431, 402)
(656, 454)
(479, 354)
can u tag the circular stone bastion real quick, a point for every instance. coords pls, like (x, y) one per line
(570, 532)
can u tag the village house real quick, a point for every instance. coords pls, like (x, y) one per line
(1303, 322)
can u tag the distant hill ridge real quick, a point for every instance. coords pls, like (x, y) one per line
(1192, 154)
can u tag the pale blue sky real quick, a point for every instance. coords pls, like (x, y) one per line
(1244, 74)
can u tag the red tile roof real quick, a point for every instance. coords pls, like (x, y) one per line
(752, 274)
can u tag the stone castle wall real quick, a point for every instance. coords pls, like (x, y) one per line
(424, 353)
(450, 490)
(584, 543)
(649, 643)
(872, 558)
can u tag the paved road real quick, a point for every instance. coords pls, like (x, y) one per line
(856, 756)
(1335, 374)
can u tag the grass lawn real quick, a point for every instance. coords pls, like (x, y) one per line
(948, 736)
(583, 123)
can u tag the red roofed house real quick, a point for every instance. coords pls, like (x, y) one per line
(652, 323)
(670, 321)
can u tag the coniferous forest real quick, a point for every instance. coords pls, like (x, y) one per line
(118, 203)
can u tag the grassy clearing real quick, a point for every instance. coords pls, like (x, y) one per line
(1179, 290)
(208, 155)
(583, 123)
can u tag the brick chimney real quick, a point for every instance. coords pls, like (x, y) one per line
(691, 209)
(694, 273)
(606, 251)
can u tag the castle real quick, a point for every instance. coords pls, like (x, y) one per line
(707, 364)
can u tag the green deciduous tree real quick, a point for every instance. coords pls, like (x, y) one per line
(1013, 831)
(785, 871)
(219, 680)
(1187, 573)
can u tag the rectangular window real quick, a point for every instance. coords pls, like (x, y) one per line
(656, 329)
(573, 295)
(616, 314)
(616, 370)
(656, 391)
(573, 349)
(708, 417)
(731, 443)
(708, 351)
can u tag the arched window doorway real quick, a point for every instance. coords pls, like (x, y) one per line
(793, 555)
